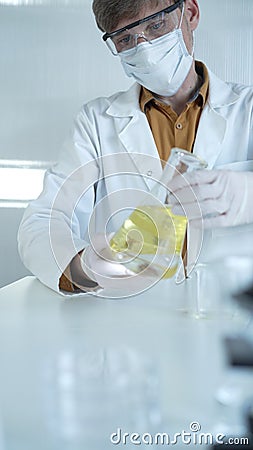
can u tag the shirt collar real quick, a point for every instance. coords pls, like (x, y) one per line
(201, 95)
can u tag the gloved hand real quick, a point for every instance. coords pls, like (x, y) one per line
(98, 262)
(214, 198)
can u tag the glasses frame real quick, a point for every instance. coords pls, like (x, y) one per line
(168, 10)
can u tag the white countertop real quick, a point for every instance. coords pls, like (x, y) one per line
(55, 351)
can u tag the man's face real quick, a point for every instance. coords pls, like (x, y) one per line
(191, 11)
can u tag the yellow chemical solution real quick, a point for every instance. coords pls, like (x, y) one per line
(152, 236)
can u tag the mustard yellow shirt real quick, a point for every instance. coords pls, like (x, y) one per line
(172, 130)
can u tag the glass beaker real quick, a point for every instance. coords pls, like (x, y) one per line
(152, 237)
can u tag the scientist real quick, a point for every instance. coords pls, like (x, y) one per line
(119, 146)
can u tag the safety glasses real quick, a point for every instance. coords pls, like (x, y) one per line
(155, 25)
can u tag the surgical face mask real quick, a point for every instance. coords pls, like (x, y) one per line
(161, 65)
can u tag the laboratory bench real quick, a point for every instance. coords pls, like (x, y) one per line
(93, 373)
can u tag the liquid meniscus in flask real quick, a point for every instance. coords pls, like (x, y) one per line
(152, 237)
(150, 230)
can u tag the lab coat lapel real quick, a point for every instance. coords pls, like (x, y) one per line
(210, 135)
(213, 121)
(135, 135)
(138, 140)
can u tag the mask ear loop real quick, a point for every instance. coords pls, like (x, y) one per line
(181, 18)
(193, 43)
(193, 35)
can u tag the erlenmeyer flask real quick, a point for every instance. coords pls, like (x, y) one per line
(152, 237)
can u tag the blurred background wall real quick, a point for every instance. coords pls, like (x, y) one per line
(52, 61)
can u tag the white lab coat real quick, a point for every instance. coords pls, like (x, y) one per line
(110, 158)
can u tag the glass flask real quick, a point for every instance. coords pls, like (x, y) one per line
(152, 237)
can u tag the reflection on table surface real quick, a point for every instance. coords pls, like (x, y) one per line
(78, 373)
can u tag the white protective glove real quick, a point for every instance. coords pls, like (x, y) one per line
(98, 263)
(213, 198)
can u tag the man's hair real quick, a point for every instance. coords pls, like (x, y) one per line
(109, 13)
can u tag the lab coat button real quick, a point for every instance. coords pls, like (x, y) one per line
(149, 173)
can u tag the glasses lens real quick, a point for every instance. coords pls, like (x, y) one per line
(162, 24)
(151, 29)
(123, 41)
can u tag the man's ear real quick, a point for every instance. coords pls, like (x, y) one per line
(192, 13)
